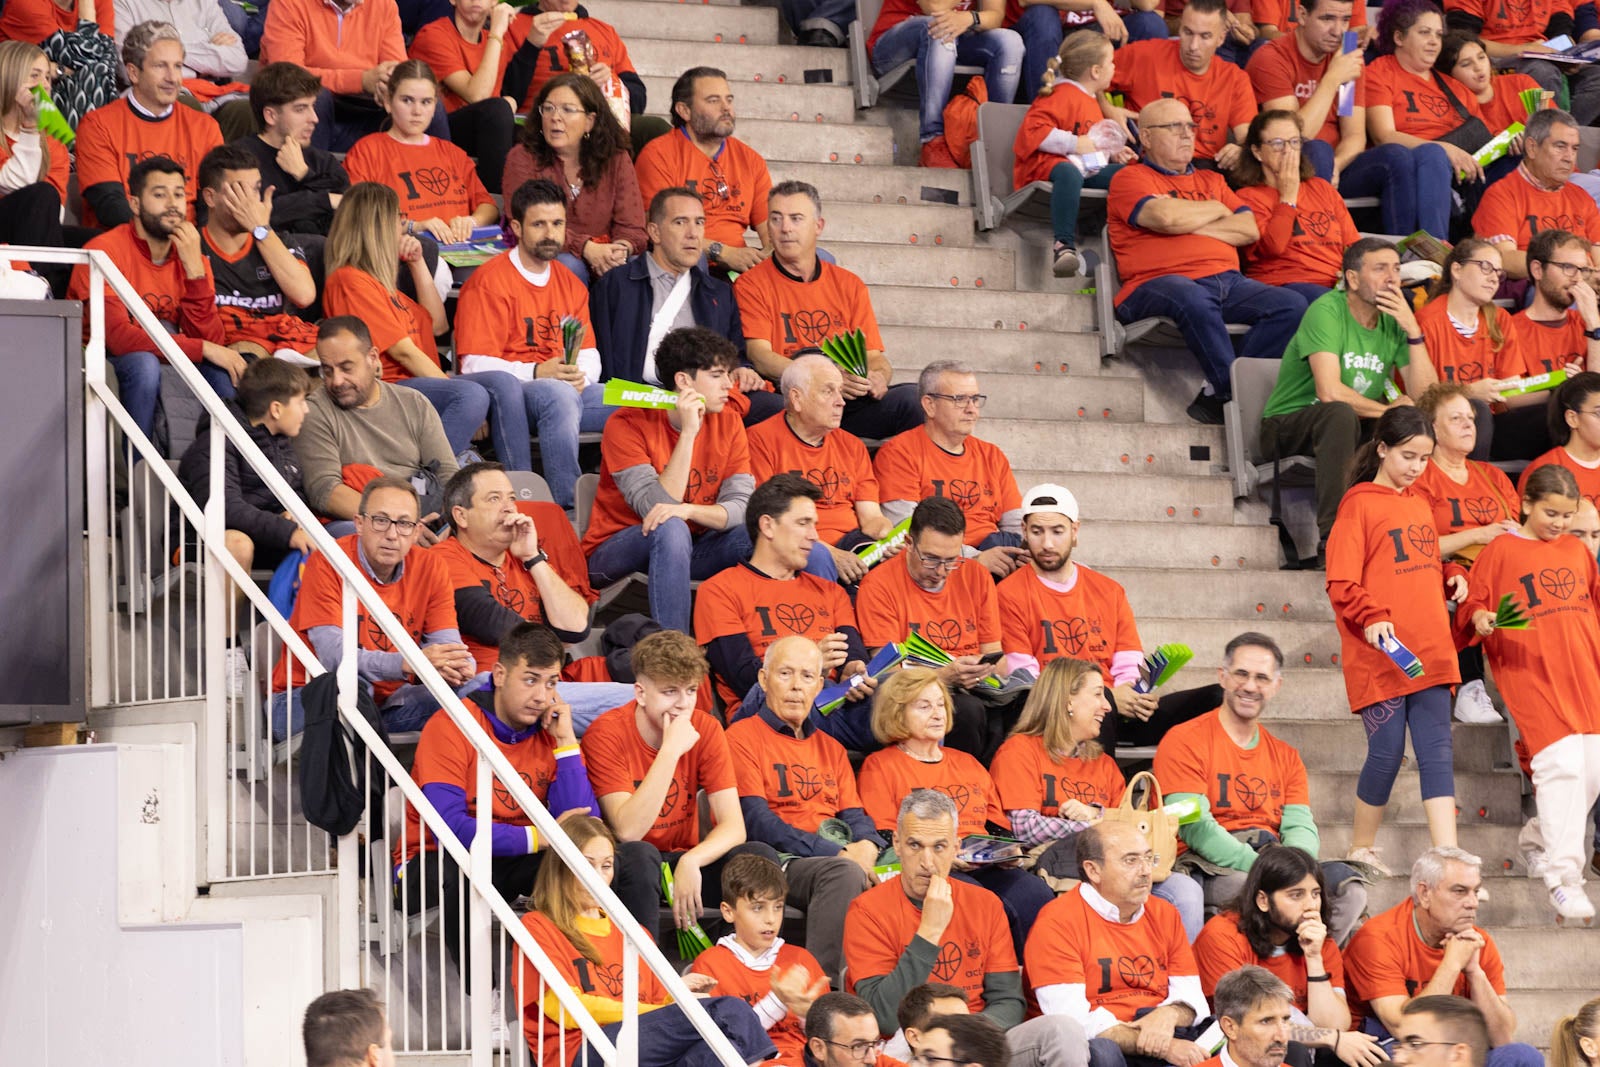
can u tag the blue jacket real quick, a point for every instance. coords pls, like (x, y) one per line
(619, 306)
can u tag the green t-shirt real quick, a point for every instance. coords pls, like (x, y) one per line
(1367, 358)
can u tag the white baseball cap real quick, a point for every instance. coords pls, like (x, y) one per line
(1050, 497)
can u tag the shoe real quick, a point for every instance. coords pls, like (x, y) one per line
(936, 153)
(236, 668)
(818, 39)
(1067, 263)
(1530, 843)
(1474, 706)
(1207, 409)
(1571, 903)
(1372, 858)
(499, 1032)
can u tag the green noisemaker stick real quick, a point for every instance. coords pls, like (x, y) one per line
(51, 120)
(1509, 615)
(693, 941)
(848, 351)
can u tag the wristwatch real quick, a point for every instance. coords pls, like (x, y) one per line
(976, 25)
(535, 559)
(260, 232)
(1593, 335)
(714, 251)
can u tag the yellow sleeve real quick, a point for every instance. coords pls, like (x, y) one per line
(604, 1010)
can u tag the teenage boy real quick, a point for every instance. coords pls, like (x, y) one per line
(307, 182)
(779, 980)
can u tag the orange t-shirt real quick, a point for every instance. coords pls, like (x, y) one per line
(803, 780)
(188, 306)
(510, 584)
(1517, 23)
(790, 314)
(1091, 621)
(1486, 497)
(502, 314)
(618, 759)
(434, 179)
(1514, 209)
(34, 21)
(1067, 107)
(736, 978)
(742, 600)
(1505, 107)
(882, 921)
(1588, 477)
(1029, 778)
(1144, 254)
(1548, 346)
(1278, 70)
(1218, 100)
(1247, 788)
(839, 466)
(960, 618)
(1304, 243)
(1122, 967)
(734, 185)
(440, 45)
(111, 139)
(911, 467)
(60, 160)
(1386, 958)
(642, 437)
(1465, 360)
(390, 316)
(421, 599)
(1383, 564)
(1421, 108)
(1550, 672)
(888, 774)
(1221, 948)
(1285, 14)
(552, 58)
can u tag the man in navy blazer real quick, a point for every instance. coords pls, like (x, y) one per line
(635, 305)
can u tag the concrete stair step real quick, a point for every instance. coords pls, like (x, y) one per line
(789, 102)
(1109, 497)
(912, 347)
(916, 227)
(1308, 694)
(1498, 794)
(1516, 908)
(820, 142)
(639, 19)
(1258, 595)
(1208, 637)
(1149, 545)
(1078, 399)
(966, 308)
(742, 63)
(874, 184)
(1107, 447)
(1538, 1011)
(1401, 844)
(920, 264)
(1553, 958)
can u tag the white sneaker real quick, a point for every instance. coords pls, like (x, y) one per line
(1530, 843)
(1372, 857)
(236, 669)
(1571, 902)
(1067, 264)
(1474, 706)
(499, 1032)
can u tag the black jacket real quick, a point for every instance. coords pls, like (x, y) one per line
(619, 307)
(298, 206)
(250, 506)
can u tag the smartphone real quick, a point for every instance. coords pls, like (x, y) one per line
(990, 657)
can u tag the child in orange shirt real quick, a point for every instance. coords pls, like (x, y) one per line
(1549, 673)
(1470, 340)
(1383, 567)
(1575, 430)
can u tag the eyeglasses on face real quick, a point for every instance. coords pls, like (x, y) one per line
(566, 111)
(963, 400)
(1181, 127)
(1489, 270)
(1569, 271)
(937, 563)
(1278, 144)
(859, 1050)
(381, 523)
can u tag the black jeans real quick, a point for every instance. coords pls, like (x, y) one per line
(484, 131)
(638, 884)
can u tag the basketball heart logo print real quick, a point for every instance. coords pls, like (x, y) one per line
(435, 180)
(1251, 791)
(806, 781)
(1483, 509)
(830, 481)
(1136, 972)
(1423, 539)
(161, 306)
(503, 798)
(1314, 224)
(796, 618)
(1559, 582)
(1464, 373)
(1070, 634)
(669, 803)
(947, 964)
(946, 633)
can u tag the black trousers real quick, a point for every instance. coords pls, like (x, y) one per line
(1171, 709)
(484, 131)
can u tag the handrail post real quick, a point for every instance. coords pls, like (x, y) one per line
(628, 1034)
(214, 734)
(479, 924)
(100, 475)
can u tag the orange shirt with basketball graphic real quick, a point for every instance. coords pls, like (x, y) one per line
(60, 169)
(1421, 108)
(390, 316)
(112, 138)
(979, 480)
(1067, 107)
(1548, 346)
(1388, 958)
(960, 618)
(1486, 497)
(790, 313)
(734, 184)
(618, 759)
(742, 600)
(552, 58)
(1514, 23)
(1123, 967)
(421, 598)
(1549, 673)
(1506, 106)
(888, 774)
(1278, 70)
(511, 585)
(1218, 100)
(1145, 254)
(502, 314)
(1029, 778)
(187, 305)
(434, 179)
(804, 780)
(440, 45)
(882, 921)
(636, 437)
(1304, 243)
(735, 978)
(1465, 360)
(1588, 477)
(1247, 788)
(1515, 209)
(1221, 948)
(839, 466)
(1091, 621)
(1383, 565)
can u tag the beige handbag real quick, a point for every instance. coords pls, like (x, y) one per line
(1159, 828)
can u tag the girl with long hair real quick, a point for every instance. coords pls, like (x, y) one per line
(1575, 1042)
(1464, 57)
(1385, 581)
(1469, 338)
(1574, 418)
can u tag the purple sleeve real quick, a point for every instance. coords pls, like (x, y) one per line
(570, 787)
(451, 800)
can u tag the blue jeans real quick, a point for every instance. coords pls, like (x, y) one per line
(830, 16)
(1042, 32)
(462, 406)
(998, 52)
(557, 413)
(1310, 290)
(1202, 308)
(1067, 184)
(1412, 185)
(247, 26)
(668, 1039)
(139, 385)
(1427, 713)
(407, 710)
(1188, 896)
(673, 557)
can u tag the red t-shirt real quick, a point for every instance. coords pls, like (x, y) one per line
(979, 480)
(112, 138)
(1247, 788)
(1514, 209)
(1515, 23)
(1221, 948)
(734, 184)
(1588, 477)
(888, 774)
(440, 45)
(1277, 69)
(803, 780)
(894, 12)
(1123, 967)
(790, 314)
(839, 466)
(391, 316)
(960, 618)
(1144, 254)
(1386, 958)
(1467, 359)
(1091, 621)
(1029, 778)
(1548, 346)
(618, 759)
(1486, 497)
(187, 305)
(1067, 107)
(736, 978)
(1505, 106)
(1304, 243)
(1421, 108)
(502, 314)
(434, 179)
(510, 584)
(1218, 100)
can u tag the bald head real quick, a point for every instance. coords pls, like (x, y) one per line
(1166, 131)
(791, 676)
(813, 396)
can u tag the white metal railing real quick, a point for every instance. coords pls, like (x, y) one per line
(158, 634)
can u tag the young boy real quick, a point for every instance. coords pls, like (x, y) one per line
(777, 979)
(919, 1007)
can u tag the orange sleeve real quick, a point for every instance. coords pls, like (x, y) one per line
(96, 147)
(759, 180)
(899, 475)
(432, 45)
(485, 311)
(604, 746)
(439, 597)
(1179, 764)
(872, 947)
(1346, 556)
(319, 602)
(1054, 952)
(1373, 968)
(716, 608)
(878, 605)
(1219, 949)
(744, 748)
(630, 448)
(652, 171)
(880, 793)
(757, 308)
(715, 765)
(1015, 780)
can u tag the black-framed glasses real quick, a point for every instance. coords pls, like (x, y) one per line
(1278, 144)
(1489, 269)
(936, 563)
(857, 1050)
(1182, 127)
(381, 523)
(962, 400)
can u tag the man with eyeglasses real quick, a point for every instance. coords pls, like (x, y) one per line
(1108, 956)
(1176, 234)
(701, 152)
(1539, 194)
(1441, 1031)
(798, 300)
(842, 1031)
(1251, 787)
(415, 586)
(945, 457)
(1429, 945)
(928, 591)
(1559, 330)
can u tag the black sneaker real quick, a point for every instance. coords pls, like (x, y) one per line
(818, 39)
(1207, 409)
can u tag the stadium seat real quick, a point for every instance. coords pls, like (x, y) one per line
(868, 85)
(1588, 148)
(1253, 381)
(1158, 332)
(530, 486)
(993, 197)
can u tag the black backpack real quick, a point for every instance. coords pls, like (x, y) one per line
(334, 790)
